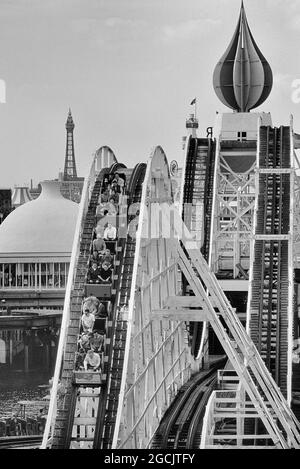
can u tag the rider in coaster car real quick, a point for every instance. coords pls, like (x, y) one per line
(87, 321)
(92, 361)
(105, 272)
(106, 257)
(94, 273)
(91, 303)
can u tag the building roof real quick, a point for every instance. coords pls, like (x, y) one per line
(42, 226)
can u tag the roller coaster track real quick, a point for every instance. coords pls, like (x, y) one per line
(110, 398)
(116, 167)
(198, 189)
(66, 417)
(21, 442)
(269, 287)
(181, 425)
(66, 409)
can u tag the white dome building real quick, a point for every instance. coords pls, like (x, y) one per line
(36, 243)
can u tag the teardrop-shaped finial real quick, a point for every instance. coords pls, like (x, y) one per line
(243, 78)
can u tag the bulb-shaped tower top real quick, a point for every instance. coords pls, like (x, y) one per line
(70, 123)
(243, 78)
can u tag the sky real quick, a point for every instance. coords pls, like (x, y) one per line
(129, 70)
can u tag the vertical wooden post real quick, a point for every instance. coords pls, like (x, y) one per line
(47, 356)
(26, 358)
(10, 348)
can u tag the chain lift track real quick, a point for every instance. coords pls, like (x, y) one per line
(268, 306)
(197, 207)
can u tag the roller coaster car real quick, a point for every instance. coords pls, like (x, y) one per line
(297, 275)
(99, 290)
(100, 324)
(89, 378)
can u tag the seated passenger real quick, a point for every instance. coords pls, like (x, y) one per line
(106, 257)
(110, 178)
(92, 361)
(91, 303)
(105, 273)
(114, 188)
(93, 273)
(84, 341)
(105, 182)
(123, 313)
(101, 311)
(97, 341)
(114, 197)
(94, 258)
(99, 244)
(110, 233)
(296, 352)
(100, 227)
(119, 181)
(79, 359)
(107, 208)
(113, 208)
(87, 321)
(104, 197)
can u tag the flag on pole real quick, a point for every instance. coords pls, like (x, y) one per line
(193, 102)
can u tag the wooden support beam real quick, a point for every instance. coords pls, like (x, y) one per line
(85, 421)
(234, 285)
(274, 170)
(180, 302)
(275, 237)
(180, 314)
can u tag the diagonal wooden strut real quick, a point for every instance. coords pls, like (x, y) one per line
(265, 395)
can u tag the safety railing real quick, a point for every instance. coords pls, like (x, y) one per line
(224, 423)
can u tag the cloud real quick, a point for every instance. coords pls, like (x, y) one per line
(295, 22)
(116, 21)
(290, 10)
(188, 29)
(292, 4)
(110, 31)
(83, 25)
(281, 79)
(282, 84)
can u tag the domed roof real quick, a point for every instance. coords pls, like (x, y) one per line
(45, 225)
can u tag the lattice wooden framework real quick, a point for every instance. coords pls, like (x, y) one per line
(233, 213)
